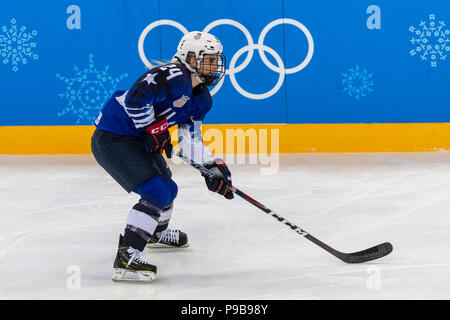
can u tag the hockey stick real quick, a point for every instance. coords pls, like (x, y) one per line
(369, 254)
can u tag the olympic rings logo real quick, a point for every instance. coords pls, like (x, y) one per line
(233, 69)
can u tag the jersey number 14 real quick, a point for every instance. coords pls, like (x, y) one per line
(173, 71)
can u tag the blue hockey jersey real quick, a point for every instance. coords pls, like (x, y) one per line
(164, 91)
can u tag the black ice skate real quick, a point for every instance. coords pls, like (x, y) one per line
(129, 266)
(169, 239)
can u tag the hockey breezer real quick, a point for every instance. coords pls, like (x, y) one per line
(369, 254)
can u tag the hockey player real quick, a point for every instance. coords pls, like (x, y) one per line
(132, 133)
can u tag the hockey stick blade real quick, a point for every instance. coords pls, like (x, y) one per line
(373, 253)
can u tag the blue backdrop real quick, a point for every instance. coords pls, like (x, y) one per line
(327, 62)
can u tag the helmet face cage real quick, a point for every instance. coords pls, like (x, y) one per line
(212, 80)
(209, 79)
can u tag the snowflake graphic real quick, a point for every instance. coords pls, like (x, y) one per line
(430, 40)
(357, 82)
(16, 45)
(87, 91)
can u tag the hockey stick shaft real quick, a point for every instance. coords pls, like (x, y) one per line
(358, 257)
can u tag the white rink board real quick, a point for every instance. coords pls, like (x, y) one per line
(63, 214)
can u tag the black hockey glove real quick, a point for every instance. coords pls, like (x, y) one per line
(222, 183)
(158, 137)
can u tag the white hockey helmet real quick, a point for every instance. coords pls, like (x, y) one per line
(198, 44)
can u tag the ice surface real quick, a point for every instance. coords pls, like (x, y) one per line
(63, 214)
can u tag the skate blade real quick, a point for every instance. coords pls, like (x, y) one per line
(162, 245)
(120, 274)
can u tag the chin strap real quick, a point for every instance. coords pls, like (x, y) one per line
(194, 71)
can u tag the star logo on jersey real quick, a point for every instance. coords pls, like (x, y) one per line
(150, 78)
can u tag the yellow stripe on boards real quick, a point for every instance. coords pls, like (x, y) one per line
(251, 138)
